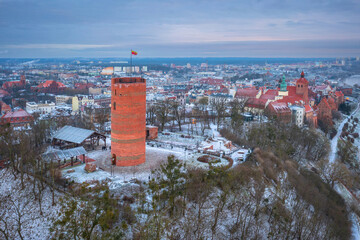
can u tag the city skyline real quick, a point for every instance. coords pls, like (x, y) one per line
(179, 28)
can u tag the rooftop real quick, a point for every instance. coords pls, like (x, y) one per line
(63, 154)
(73, 134)
(128, 80)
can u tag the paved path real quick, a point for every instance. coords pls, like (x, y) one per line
(334, 141)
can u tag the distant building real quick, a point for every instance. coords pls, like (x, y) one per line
(4, 108)
(42, 108)
(310, 116)
(83, 85)
(248, 93)
(96, 114)
(102, 100)
(50, 86)
(62, 99)
(302, 88)
(256, 106)
(324, 111)
(107, 71)
(17, 118)
(83, 100)
(298, 114)
(3, 94)
(279, 111)
(95, 91)
(347, 91)
(151, 132)
(13, 84)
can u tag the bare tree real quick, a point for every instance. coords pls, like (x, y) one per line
(177, 112)
(219, 104)
(162, 113)
(102, 115)
(151, 114)
(237, 107)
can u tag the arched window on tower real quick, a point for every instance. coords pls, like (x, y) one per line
(114, 105)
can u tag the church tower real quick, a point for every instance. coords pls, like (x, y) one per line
(302, 87)
(283, 88)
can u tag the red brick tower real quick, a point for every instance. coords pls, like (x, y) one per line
(22, 80)
(302, 87)
(128, 112)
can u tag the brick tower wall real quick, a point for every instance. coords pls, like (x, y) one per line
(128, 113)
(22, 80)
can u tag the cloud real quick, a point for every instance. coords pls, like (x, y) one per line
(57, 46)
(101, 26)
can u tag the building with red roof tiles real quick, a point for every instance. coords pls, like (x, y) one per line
(332, 103)
(347, 91)
(3, 93)
(83, 85)
(4, 108)
(298, 94)
(17, 118)
(50, 86)
(310, 116)
(293, 100)
(324, 110)
(248, 93)
(323, 89)
(256, 105)
(339, 98)
(212, 81)
(279, 111)
(270, 94)
(13, 84)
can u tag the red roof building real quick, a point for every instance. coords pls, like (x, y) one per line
(50, 86)
(347, 91)
(270, 94)
(339, 98)
(211, 81)
(3, 93)
(18, 118)
(302, 88)
(280, 111)
(20, 84)
(247, 93)
(332, 103)
(4, 108)
(310, 116)
(298, 94)
(324, 110)
(256, 104)
(83, 85)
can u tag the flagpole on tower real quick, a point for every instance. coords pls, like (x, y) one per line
(131, 53)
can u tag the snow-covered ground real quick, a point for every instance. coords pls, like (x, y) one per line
(120, 175)
(80, 175)
(338, 187)
(33, 225)
(355, 79)
(239, 156)
(334, 141)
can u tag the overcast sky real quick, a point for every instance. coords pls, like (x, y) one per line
(179, 28)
